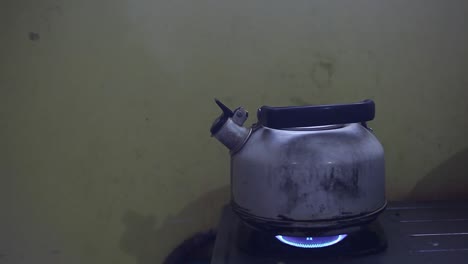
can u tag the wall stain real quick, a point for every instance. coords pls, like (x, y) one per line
(55, 251)
(322, 73)
(299, 101)
(33, 36)
(288, 76)
(328, 67)
(139, 153)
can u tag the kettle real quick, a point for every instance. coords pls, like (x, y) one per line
(304, 170)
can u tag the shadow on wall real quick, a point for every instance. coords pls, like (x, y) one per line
(150, 245)
(446, 182)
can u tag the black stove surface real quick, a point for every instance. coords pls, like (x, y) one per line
(431, 233)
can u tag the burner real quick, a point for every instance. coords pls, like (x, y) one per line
(365, 240)
(311, 242)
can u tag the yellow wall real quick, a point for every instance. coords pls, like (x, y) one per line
(105, 107)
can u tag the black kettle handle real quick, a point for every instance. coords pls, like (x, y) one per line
(316, 115)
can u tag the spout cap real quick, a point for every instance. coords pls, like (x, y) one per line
(221, 120)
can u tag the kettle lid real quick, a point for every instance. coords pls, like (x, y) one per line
(316, 115)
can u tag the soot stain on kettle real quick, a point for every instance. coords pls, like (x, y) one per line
(290, 189)
(322, 208)
(282, 217)
(346, 185)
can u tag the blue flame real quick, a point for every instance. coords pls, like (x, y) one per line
(311, 242)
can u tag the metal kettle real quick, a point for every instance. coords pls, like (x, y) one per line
(304, 169)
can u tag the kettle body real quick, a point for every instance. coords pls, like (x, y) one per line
(317, 174)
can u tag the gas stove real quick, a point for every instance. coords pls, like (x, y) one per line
(435, 232)
(366, 240)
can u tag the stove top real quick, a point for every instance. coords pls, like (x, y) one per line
(435, 232)
(367, 240)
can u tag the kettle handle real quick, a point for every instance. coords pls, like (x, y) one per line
(316, 115)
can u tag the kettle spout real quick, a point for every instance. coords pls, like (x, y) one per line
(228, 129)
